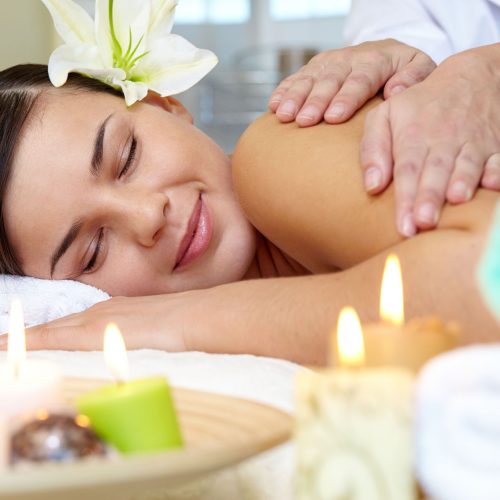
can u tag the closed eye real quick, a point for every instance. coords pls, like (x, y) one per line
(93, 260)
(130, 159)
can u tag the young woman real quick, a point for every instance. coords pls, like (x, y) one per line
(138, 202)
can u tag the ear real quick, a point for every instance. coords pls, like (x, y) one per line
(169, 104)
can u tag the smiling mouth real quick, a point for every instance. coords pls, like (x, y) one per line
(197, 238)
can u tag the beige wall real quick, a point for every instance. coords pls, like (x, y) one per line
(26, 33)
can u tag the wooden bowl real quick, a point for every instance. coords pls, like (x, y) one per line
(218, 431)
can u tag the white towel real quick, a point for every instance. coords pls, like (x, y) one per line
(458, 425)
(45, 300)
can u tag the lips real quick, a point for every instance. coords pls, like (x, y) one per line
(197, 238)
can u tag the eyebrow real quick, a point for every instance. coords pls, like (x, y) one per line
(96, 162)
(66, 242)
(95, 170)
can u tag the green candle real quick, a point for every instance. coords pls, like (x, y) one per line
(132, 416)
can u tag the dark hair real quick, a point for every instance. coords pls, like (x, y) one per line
(20, 88)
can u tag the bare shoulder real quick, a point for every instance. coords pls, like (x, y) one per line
(302, 188)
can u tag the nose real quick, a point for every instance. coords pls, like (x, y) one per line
(142, 215)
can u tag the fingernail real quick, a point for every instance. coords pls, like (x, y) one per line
(309, 114)
(427, 214)
(336, 111)
(398, 89)
(460, 191)
(408, 228)
(288, 108)
(373, 178)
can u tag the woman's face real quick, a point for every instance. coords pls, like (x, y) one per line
(133, 201)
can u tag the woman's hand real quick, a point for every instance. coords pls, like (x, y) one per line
(440, 139)
(334, 84)
(156, 321)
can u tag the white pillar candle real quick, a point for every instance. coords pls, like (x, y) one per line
(37, 385)
(354, 429)
(26, 384)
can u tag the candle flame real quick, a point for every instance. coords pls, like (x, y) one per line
(16, 349)
(350, 342)
(82, 421)
(115, 352)
(391, 295)
(42, 414)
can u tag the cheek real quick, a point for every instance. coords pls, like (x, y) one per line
(127, 276)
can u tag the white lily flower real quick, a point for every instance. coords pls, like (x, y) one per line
(129, 46)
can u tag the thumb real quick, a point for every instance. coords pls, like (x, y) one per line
(417, 70)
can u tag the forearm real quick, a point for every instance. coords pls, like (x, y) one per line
(293, 318)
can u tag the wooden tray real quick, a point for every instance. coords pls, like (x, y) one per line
(218, 431)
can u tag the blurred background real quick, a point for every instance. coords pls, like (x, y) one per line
(258, 43)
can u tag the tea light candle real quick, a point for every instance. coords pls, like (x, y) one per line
(26, 384)
(391, 342)
(133, 416)
(353, 426)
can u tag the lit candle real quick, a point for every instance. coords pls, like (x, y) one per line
(26, 384)
(391, 342)
(353, 426)
(133, 416)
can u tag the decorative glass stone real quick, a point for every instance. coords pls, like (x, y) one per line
(55, 438)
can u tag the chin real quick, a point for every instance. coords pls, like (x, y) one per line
(232, 259)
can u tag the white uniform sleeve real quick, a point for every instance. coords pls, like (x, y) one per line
(408, 21)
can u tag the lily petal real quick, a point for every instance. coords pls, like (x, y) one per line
(102, 32)
(162, 17)
(489, 268)
(80, 58)
(130, 23)
(133, 91)
(174, 65)
(71, 21)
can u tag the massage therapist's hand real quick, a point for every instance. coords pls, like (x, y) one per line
(156, 321)
(334, 84)
(440, 139)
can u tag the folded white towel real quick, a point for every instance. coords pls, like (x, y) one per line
(458, 425)
(45, 300)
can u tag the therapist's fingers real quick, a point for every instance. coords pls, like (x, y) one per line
(294, 98)
(466, 175)
(434, 180)
(281, 90)
(376, 150)
(318, 100)
(409, 157)
(417, 70)
(359, 86)
(277, 96)
(491, 175)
